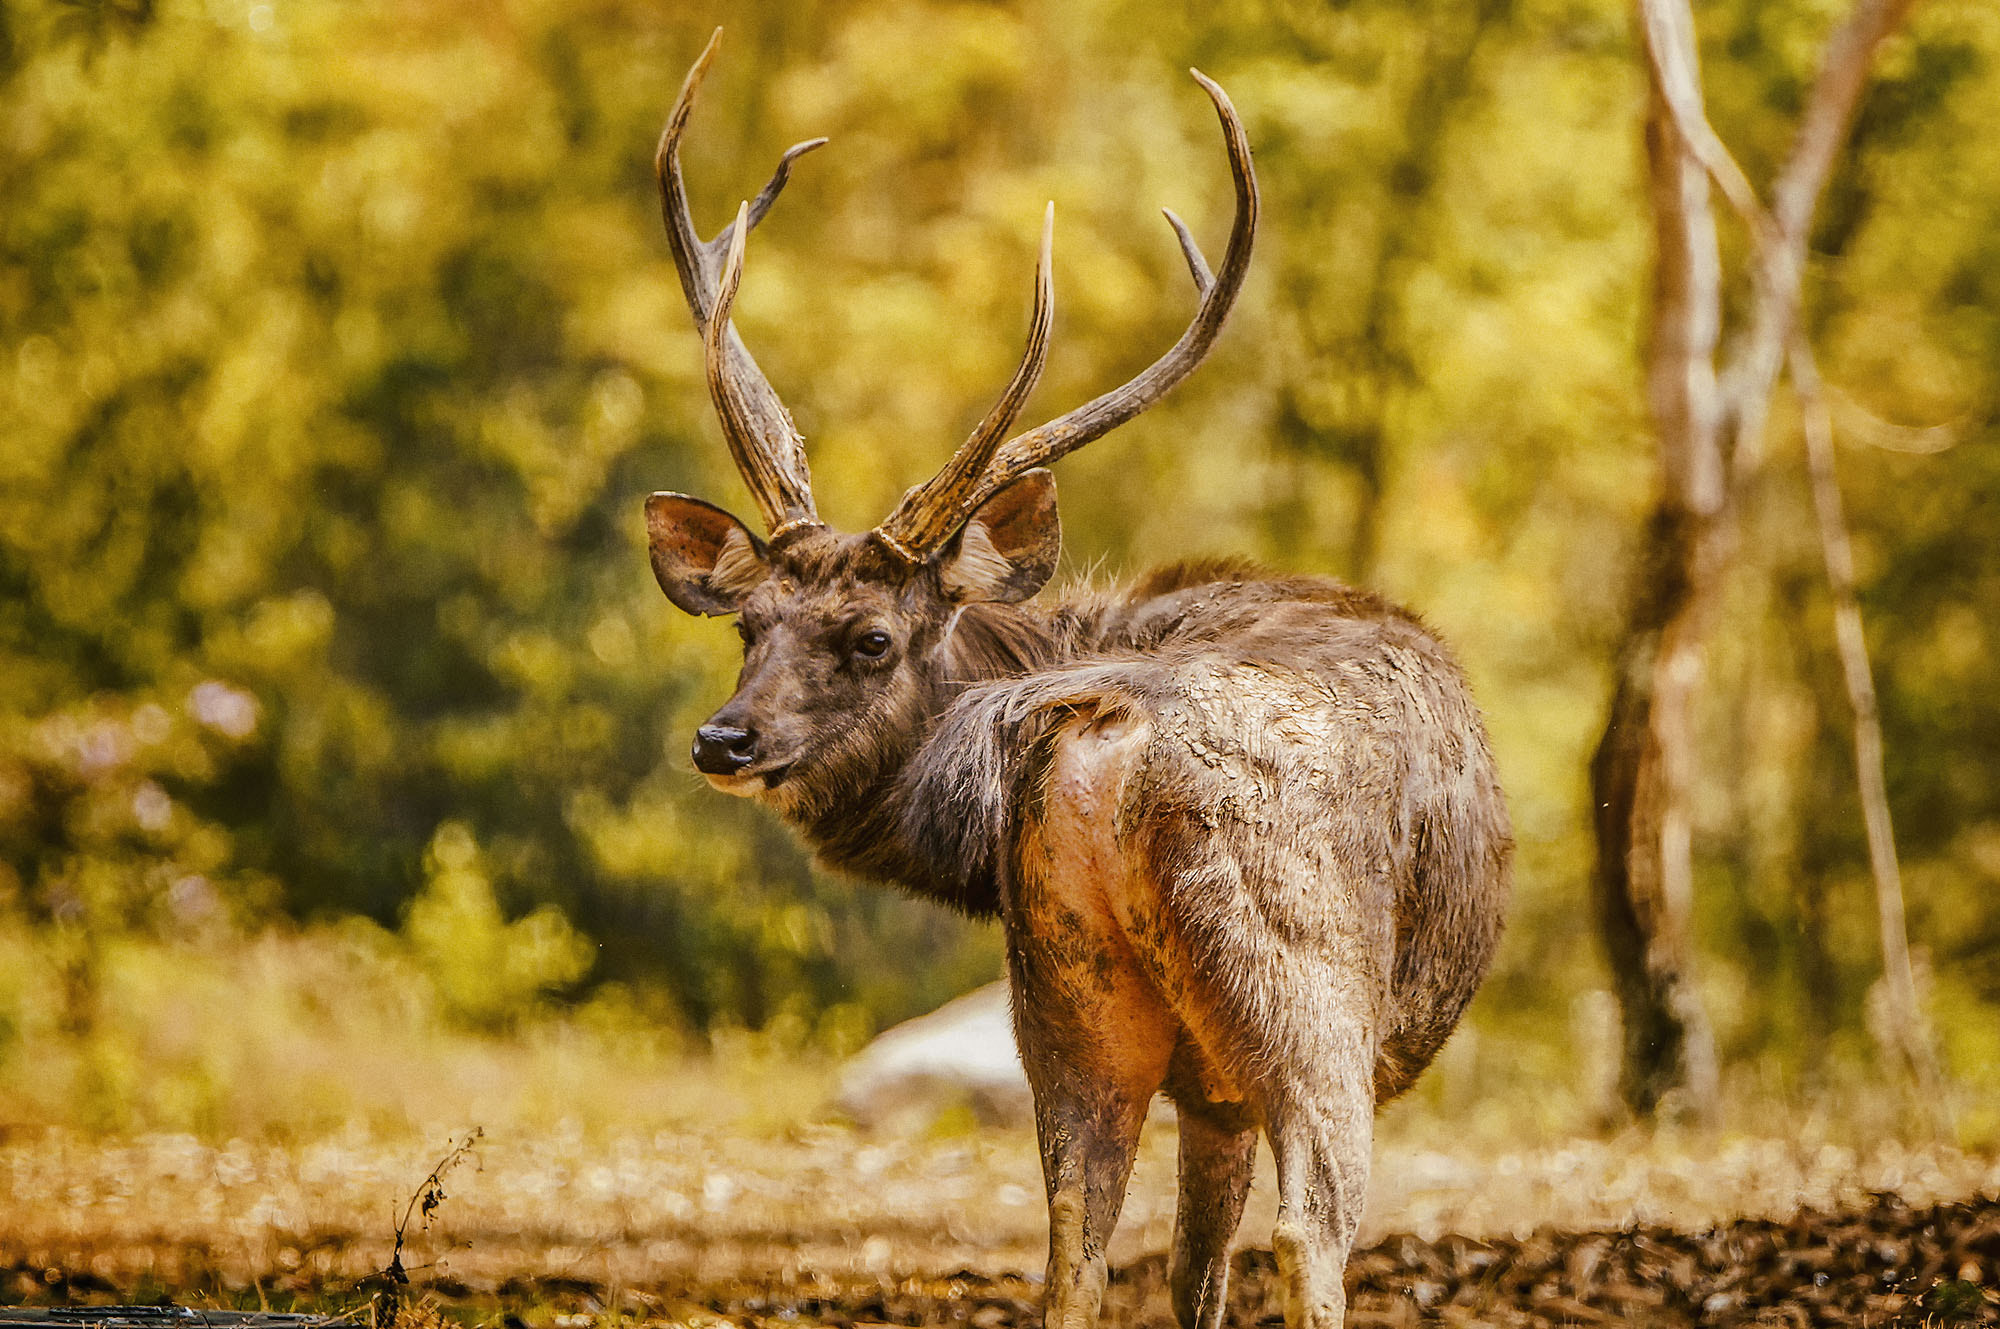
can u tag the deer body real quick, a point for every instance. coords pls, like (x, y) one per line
(1242, 830)
(1250, 850)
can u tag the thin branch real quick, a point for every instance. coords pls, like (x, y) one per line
(1752, 371)
(1910, 1030)
(1843, 75)
(1669, 45)
(1863, 425)
(423, 1204)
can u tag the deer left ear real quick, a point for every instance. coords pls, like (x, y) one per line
(705, 559)
(1008, 549)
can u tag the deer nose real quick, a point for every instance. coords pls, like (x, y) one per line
(722, 749)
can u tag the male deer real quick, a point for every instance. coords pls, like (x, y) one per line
(1242, 830)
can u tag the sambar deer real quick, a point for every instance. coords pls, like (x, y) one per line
(1242, 829)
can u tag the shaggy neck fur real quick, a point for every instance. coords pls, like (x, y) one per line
(863, 828)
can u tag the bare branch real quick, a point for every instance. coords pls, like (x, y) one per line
(1865, 426)
(1670, 51)
(1753, 367)
(1910, 1029)
(1843, 74)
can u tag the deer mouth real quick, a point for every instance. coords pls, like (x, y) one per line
(750, 782)
(741, 784)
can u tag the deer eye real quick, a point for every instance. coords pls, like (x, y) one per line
(872, 645)
(743, 631)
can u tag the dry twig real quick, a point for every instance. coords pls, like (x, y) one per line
(423, 1205)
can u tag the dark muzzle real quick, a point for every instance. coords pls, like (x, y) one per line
(721, 749)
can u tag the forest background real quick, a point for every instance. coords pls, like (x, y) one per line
(343, 729)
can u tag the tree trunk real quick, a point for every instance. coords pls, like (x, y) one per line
(1641, 881)
(1644, 762)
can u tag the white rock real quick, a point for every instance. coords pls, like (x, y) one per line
(961, 1054)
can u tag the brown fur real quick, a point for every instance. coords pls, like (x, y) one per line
(1242, 831)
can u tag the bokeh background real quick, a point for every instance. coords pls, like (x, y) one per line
(343, 728)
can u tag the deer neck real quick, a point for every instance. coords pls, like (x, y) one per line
(864, 831)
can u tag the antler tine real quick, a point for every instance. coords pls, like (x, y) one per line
(930, 512)
(1197, 265)
(779, 177)
(1094, 419)
(761, 436)
(729, 397)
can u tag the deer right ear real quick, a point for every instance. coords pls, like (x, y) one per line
(1009, 547)
(705, 559)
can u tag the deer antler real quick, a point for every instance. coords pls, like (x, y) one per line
(760, 432)
(928, 513)
(931, 513)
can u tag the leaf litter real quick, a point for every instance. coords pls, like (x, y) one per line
(825, 1225)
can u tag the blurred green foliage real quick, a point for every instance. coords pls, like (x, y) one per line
(338, 347)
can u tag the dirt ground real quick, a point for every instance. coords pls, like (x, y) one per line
(827, 1225)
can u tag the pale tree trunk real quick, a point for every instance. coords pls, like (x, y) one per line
(1640, 775)
(1645, 762)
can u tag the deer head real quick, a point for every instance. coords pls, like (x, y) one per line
(850, 640)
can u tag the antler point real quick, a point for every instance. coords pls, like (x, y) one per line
(761, 436)
(1215, 93)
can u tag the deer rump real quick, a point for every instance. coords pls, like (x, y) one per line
(1242, 818)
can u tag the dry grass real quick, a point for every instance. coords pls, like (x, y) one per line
(678, 1205)
(311, 1035)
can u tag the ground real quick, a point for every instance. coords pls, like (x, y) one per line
(569, 1227)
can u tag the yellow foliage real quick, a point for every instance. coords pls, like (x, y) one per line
(487, 971)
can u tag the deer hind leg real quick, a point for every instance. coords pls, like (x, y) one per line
(1095, 1036)
(1321, 1127)
(1091, 1094)
(1312, 1076)
(1282, 976)
(1218, 1151)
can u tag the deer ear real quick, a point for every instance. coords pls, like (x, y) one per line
(1008, 549)
(706, 560)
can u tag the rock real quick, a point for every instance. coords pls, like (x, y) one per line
(961, 1055)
